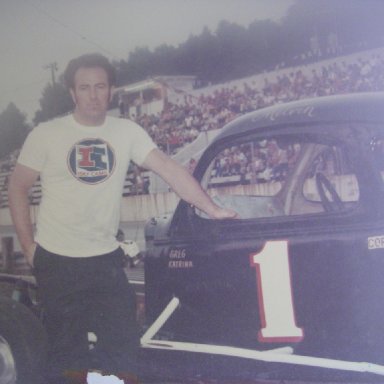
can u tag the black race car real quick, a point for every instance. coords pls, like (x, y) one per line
(291, 291)
(294, 288)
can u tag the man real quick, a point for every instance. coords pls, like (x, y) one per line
(82, 161)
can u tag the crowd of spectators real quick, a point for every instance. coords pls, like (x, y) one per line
(6, 166)
(179, 124)
(255, 162)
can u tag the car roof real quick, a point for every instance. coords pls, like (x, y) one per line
(364, 107)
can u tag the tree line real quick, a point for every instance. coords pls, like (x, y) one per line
(230, 52)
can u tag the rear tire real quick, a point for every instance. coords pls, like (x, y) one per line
(23, 345)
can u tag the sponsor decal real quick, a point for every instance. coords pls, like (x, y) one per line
(180, 264)
(91, 161)
(375, 242)
(178, 259)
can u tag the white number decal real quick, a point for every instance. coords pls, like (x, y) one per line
(275, 294)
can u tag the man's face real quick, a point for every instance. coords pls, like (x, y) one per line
(92, 94)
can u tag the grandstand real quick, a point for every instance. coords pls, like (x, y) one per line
(184, 127)
(212, 107)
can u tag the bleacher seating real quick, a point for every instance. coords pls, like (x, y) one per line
(213, 107)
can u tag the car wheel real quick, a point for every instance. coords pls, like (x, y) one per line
(23, 345)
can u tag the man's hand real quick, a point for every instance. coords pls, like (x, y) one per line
(30, 254)
(219, 213)
(21, 181)
(185, 185)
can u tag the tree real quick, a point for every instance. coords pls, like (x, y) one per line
(138, 67)
(265, 45)
(234, 49)
(163, 60)
(55, 101)
(356, 23)
(199, 56)
(13, 129)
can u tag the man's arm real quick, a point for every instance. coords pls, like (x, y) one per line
(20, 183)
(185, 185)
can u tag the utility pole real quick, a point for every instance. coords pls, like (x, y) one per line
(54, 102)
(53, 67)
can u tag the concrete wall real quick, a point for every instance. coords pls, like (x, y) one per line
(135, 211)
(133, 208)
(143, 207)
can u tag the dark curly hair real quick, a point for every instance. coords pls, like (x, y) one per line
(90, 60)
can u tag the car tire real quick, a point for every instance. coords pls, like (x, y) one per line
(23, 345)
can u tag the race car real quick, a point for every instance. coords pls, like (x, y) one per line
(293, 289)
(290, 291)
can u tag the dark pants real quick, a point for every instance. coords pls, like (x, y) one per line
(89, 313)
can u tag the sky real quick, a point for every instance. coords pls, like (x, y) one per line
(37, 33)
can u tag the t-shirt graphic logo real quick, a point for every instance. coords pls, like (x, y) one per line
(91, 160)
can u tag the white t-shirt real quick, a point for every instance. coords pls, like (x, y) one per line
(82, 171)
